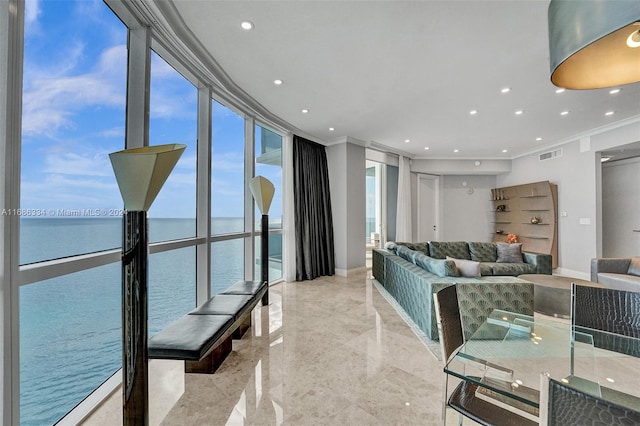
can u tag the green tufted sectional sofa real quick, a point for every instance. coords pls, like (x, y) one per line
(411, 276)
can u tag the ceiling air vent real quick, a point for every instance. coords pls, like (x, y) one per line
(551, 154)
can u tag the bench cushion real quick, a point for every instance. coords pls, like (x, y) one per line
(246, 287)
(225, 304)
(190, 337)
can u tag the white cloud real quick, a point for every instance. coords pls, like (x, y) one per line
(31, 11)
(228, 161)
(51, 102)
(60, 191)
(70, 163)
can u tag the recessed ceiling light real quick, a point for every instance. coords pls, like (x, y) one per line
(473, 112)
(603, 159)
(504, 150)
(331, 129)
(608, 113)
(614, 91)
(519, 112)
(304, 111)
(277, 82)
(246, 25)
(426, 148)
(538, 138)
(506, 90)
(456, 150)
(564, 113)
(559, 90)
(407, 140)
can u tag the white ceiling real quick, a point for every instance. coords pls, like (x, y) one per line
(387, 71)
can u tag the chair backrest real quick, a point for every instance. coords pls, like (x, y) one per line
(610, 310)
(448, 319)
(562, 405)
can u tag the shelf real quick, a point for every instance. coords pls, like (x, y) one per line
(524, 202)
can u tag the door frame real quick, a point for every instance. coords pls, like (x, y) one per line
(436, 202)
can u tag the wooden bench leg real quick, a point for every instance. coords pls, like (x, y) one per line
(242, 328)
(210, 363)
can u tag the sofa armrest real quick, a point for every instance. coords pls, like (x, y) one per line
(378, 259)
(613, 265)
(541, 261)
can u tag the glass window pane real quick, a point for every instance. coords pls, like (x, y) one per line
(227, 171)
(172, 286)
(64, 352)
(269, 164)
(74, 86)
(45, 238)
(173, 119)
(275, 257)
(227, 264)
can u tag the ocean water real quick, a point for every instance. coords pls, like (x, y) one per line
(70, 326)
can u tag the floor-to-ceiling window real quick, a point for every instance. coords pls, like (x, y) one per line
(75, 58)
(268, 163)
(227, 196)
(173, 112)
(74, 111)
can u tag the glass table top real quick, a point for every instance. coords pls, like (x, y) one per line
(507, 354)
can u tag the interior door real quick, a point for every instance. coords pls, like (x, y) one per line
(427, 208)
(620, 207)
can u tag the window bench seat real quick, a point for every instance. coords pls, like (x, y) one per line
(202, 338)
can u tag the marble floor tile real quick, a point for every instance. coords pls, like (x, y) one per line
(331, 351)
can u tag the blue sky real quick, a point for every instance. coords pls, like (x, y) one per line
(74, 110)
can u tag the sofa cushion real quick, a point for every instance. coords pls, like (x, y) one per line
(421, 247)
(509, 253)
(467, 268)
(455, 249)
(486, 269)
(619, 281)
(510, 269)
(483, 252)
(439, 267)
(634, 267)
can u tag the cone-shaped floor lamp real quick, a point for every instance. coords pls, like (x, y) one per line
(594, 43)
(140, 173)
(263, 190)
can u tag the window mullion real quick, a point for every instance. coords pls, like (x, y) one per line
(203, 197)
(249, 216)
(138, 87)
(11, 66)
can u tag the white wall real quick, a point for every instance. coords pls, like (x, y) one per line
(467, 214)
(577, 174)
(346, 163)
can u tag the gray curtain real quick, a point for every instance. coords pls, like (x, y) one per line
(312, 204)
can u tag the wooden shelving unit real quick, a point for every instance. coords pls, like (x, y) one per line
(515, 208)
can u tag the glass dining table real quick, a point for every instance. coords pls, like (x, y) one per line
(507, 354)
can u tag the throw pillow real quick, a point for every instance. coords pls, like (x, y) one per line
(509, 253)
(634, 267)
(467, 268)
(406, 253)
(439, 267)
